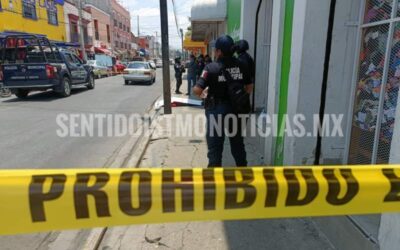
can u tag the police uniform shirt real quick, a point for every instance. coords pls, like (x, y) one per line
(248, 60)
(178, 70)
(214, 77)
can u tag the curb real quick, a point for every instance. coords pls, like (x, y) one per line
(130, 153)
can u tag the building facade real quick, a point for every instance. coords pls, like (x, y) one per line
(102, 29)
(322, 59)
(72, 25)
(121, 29)
(37, 17)
(209, 21)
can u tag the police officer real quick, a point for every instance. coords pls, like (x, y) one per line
(179, 70)
(213, 80)
(241, 48)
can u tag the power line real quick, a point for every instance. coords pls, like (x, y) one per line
(176, 16)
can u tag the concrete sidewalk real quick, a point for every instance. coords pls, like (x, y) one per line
(189, 152)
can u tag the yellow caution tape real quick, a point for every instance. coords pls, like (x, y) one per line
(45, 200)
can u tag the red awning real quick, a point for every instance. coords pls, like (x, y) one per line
(102, 51)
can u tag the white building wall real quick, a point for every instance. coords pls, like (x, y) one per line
(341, 84)
(306, 75)
(248, 22)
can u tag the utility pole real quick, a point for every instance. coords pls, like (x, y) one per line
(183, 55)
(156, 45)
(81, 29)
(165, 57)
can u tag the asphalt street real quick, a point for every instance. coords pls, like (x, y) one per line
(28, 128)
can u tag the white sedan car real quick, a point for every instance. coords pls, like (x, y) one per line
(139, 72)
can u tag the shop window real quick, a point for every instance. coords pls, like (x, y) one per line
(377, 10)
(29, 9)
(377, 86)
(52, 16)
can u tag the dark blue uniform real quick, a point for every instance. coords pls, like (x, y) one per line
(245, 58)
(179, 70)
(218, 106)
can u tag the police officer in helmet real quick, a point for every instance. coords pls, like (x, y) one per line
(241, 48)
(179, 70)
(214, 81)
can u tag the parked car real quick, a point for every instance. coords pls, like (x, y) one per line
(159, 64)
(139, 72)
(153, 65)
(38, 65)
(119, 67)
(138, 59)
(99, 71)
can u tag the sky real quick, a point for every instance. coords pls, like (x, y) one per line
(149, 18)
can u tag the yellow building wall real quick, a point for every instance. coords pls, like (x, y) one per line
(12, 19)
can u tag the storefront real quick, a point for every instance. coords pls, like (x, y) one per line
(208, 18)
(339, 58)
(378, 81)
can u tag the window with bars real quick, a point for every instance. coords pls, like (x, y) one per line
(52, 16)
(378, 82)
(29, 9)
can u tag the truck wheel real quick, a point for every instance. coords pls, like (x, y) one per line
(65, 87)
(91, 83)
(22, 94)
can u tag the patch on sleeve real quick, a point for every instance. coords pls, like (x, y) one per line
(204, 75)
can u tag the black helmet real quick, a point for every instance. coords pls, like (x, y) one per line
(225, 44)
(242, 46)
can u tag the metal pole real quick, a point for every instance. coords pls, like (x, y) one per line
(183, 54)
(81, 35)
(165, 56)
(138, 27)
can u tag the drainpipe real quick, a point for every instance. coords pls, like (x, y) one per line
(255, 52)
(325, 79)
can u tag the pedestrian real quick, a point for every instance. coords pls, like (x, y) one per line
(241, 48)
(207, 60)
(200, 65)
(179, 70)
(192, 71)
(216, 80)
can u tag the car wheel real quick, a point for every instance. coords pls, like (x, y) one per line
(126, 82)
(91, 84)
(22, 93)
(65, 87)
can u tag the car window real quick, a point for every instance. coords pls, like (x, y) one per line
(77, 60)
(69, 59)
(138, 66)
